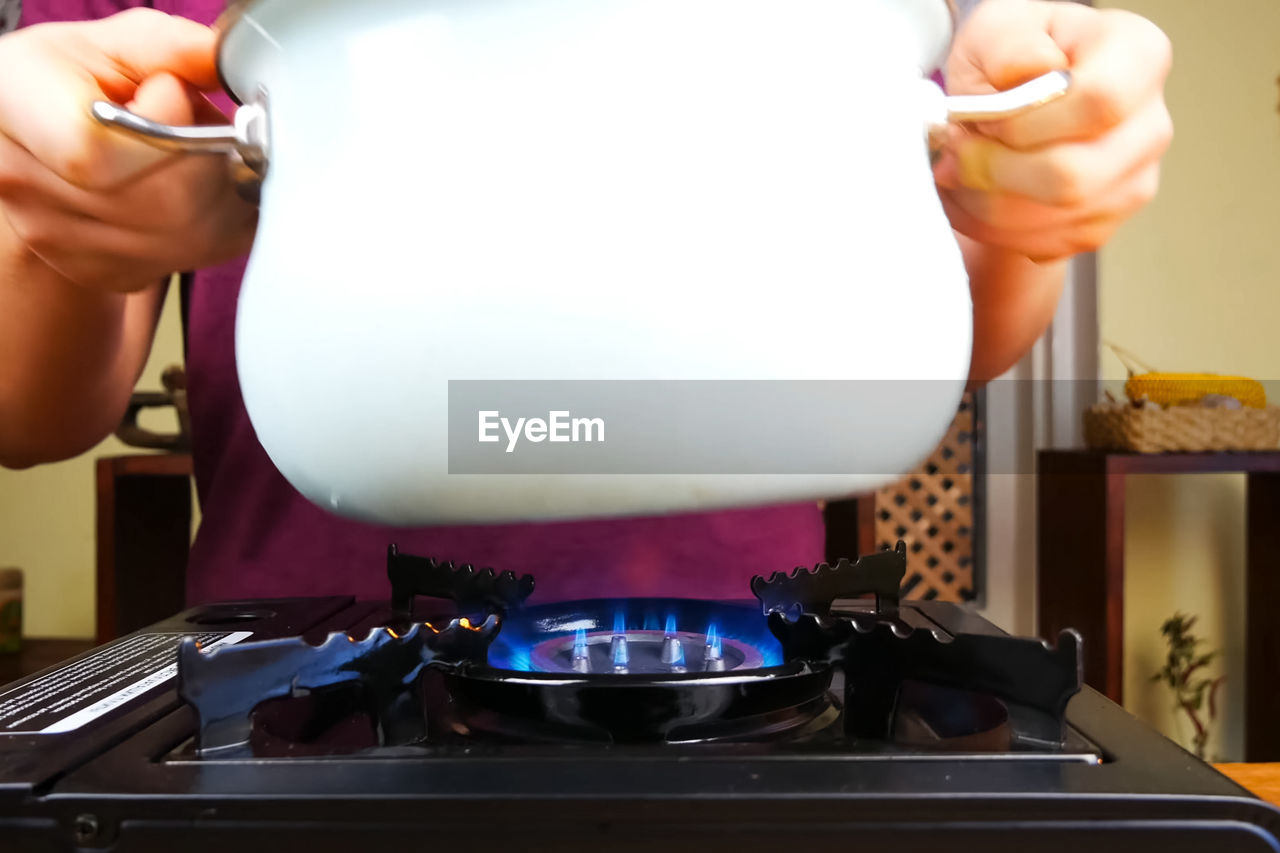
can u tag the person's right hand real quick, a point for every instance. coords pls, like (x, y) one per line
(99, 208)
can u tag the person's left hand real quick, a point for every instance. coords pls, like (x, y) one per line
(1060, 178)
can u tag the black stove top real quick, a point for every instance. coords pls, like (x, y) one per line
(463, 713)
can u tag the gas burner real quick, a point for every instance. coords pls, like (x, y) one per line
(641, 669)
(655, 637)
(689, 707)
(652, 669)
(621, 652)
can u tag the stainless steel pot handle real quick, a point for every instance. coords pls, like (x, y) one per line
(943, 110)
(1011, 102)
(246, 142)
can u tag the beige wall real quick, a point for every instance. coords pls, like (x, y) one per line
(47, 516)
(1194, 284)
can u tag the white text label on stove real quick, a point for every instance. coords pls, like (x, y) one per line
(90, 686)
(558, 426)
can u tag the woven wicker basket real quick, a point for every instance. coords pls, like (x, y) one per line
(1185, 429)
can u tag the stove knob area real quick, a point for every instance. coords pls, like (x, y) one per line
(87, 829)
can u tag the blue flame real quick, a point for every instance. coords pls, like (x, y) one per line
(522, 630)
(514, 657)
(713, 640)
(580, 643)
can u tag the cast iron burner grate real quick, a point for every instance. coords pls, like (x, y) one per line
(649, 670)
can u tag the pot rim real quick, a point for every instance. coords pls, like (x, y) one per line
(236, 10)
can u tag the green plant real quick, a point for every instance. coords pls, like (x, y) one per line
(1194, 693)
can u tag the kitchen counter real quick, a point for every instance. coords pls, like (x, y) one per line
(1262, 779)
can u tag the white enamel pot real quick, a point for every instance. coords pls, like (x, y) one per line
(593, 190)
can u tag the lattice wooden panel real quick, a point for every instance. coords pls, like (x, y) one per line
(932, 510)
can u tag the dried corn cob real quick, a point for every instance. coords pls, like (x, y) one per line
(1176, 389)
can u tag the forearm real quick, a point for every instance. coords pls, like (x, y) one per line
(1014, 300)
(69, 356)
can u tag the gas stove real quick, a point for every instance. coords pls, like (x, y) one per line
(825, 712)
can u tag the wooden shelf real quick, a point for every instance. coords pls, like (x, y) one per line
(1080, 566)
(144, 536)
(40, 653)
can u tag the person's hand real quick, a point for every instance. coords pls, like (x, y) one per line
(1061, 178)
(99, 208)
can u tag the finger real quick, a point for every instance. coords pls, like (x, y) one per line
(108, 255)
(26, 181)
(119, 257)
(166, 98)
(1061, 244)
(1017, 215)
(1068, 174)
(187, 211)
(1040, 246)
(1002, 44)
(65, 73)
(1013, 215)
(163, 97)
(182, 198)
(972, 225)
(188, 208)
(1082, 234)
(141, 42)
(1118, 60)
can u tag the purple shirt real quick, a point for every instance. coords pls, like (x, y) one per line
(260, 538)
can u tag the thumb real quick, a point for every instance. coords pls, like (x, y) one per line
(68, 66)
(1118, 62)
(156, 65)
(167, 98)
(163, 97)
(1002, 44)
(141, 42)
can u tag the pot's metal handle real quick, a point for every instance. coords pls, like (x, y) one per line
(245, 142)
(943, 110)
